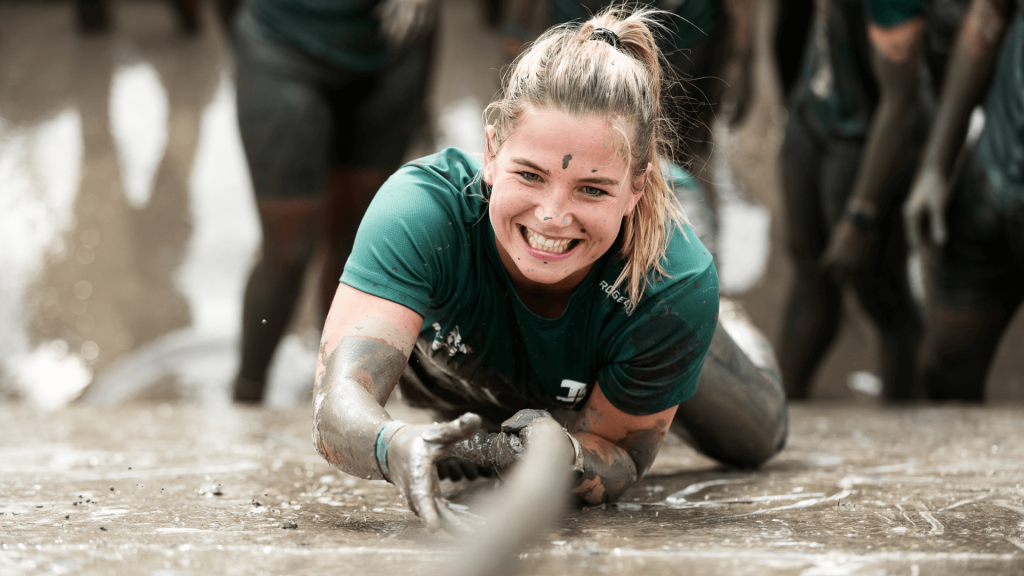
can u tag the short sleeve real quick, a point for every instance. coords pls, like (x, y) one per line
(656, 358)
(888, 13)
(407, 240)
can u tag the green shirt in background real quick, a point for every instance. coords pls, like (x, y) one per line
(343, 32)
(427, 243)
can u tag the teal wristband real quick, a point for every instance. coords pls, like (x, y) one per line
(382, 444)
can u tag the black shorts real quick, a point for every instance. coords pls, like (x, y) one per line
(298, 114)
(982, 263)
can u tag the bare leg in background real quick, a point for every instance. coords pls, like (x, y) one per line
(289, 233)
(350, 192)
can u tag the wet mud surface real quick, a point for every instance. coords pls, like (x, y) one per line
(156, 489)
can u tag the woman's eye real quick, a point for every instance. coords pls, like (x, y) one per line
(529, 176)
(593, 192)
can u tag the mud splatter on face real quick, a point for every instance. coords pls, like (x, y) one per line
(583, 230)
(594, 170)
(565, 161)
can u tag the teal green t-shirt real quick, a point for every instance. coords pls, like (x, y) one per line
(1001, 146)
(427, 243)
(837, 84)
(342, 32)
(692, 20)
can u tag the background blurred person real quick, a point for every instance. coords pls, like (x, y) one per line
(792, 26)
(329, 93)
(973, 214)
(855, 125)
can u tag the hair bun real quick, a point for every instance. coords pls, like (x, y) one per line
(608, 36)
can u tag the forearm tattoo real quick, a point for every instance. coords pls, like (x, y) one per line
(610, 468)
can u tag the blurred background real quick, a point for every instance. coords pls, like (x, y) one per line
(128, 225)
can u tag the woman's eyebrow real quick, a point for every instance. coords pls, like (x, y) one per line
(531, 165)
(599, 180)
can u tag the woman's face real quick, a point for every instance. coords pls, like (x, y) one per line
(560, 189)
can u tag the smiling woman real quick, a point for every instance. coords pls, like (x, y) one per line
(555, 213)
(556, 272)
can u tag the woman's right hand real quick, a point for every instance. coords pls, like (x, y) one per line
(412, 455)
(928, 199)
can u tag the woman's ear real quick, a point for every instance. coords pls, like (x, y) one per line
(641, 185)
(489, 154)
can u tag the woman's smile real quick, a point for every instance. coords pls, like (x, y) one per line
(550, 248)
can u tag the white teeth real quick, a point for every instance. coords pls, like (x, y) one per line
(539, 242)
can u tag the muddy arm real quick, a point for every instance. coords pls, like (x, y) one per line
(970, 67)
(615, 449)
(365, 346)
(897, 60)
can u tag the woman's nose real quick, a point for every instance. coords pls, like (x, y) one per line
(556, 207)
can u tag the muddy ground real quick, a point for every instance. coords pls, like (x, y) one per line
(161, 489)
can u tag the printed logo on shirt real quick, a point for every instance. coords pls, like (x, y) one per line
(574, 392)
(452, 343)
(615, 294)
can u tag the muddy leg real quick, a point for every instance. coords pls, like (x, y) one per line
(884, 290)
(813, 312)
(350, 191)
(285, 120)
(812, 320)
(289, 232)
(739, 414)
(958, 348)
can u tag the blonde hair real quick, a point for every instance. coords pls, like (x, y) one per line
(564, 69)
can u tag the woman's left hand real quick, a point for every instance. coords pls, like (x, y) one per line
(514, 439)
(502, 450)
